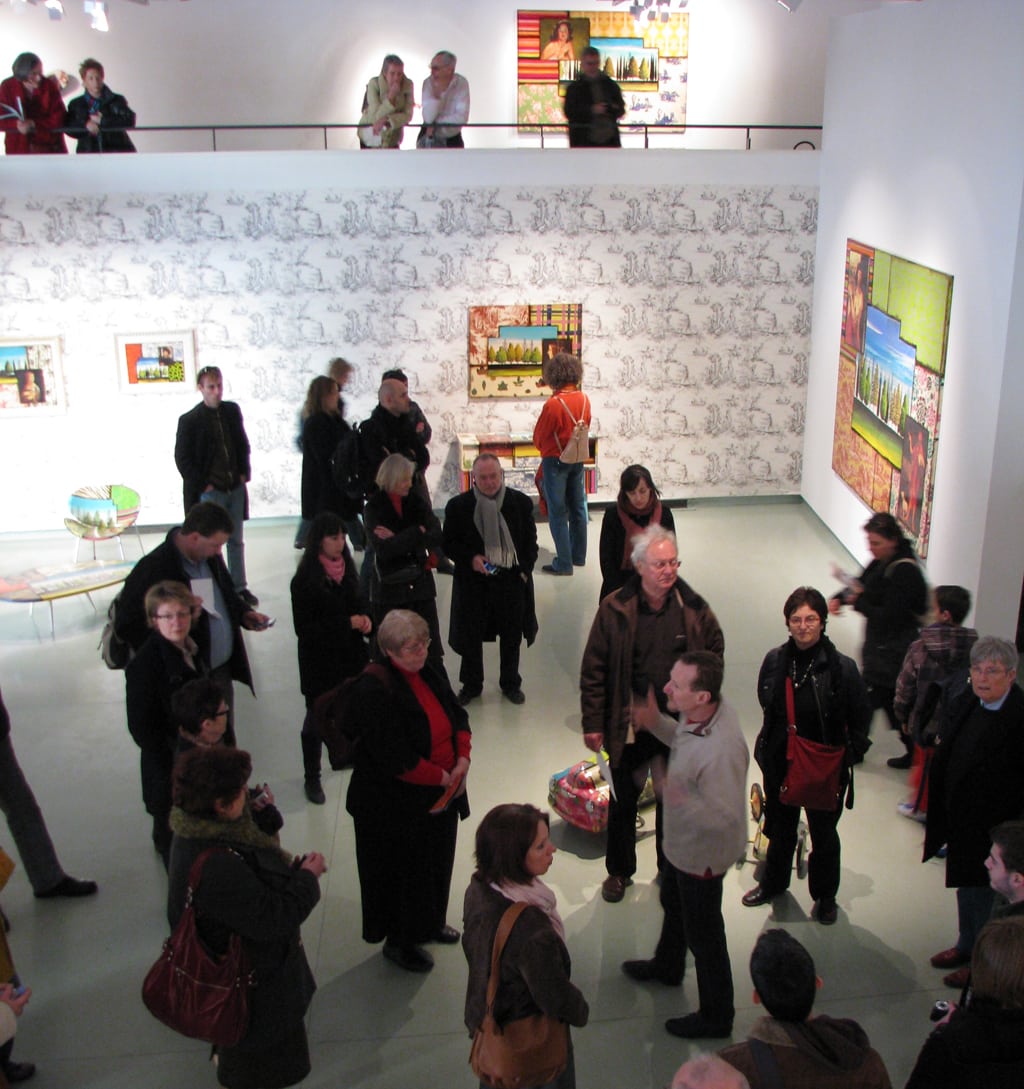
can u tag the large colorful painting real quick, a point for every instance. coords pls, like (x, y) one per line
(648, 60)
(31, 382)
(892, 365)
(509, 344)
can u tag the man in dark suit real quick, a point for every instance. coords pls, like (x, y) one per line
(491, 537)
(212, 454)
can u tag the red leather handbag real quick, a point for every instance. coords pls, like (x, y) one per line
(192, 991)
(814, 770)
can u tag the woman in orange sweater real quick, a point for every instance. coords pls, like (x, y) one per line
(564, 492)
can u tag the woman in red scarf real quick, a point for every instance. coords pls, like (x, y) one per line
(637, 507)
(331, 625)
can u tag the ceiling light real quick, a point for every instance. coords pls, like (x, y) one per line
(98, 10)
(790, 5)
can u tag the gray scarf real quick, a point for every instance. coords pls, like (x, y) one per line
(491, 524)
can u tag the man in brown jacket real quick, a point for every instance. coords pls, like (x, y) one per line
(635, 639)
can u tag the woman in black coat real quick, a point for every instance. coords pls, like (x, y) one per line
(251, 887)
(638, 506)
(892, 595)
(92, 115)
(405, 531)
(413, 749)
(331, 625)
(831, 708)
(513, 852)
(322, 430)
(166, 660)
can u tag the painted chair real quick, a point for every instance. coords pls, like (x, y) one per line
(102, 512)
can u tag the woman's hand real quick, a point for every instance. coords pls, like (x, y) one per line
(361, 623)
(17, 1003)
(315, 863)
(382, 533)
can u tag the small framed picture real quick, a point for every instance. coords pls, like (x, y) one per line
(156, 362)
(31, 378)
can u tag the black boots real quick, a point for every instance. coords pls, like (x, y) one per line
(311, 746)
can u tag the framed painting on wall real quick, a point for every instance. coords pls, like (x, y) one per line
(892, 366)
(156, 362)
(31, 378)
(508, 346)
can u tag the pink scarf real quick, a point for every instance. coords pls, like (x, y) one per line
(335, 568)
(537, 894)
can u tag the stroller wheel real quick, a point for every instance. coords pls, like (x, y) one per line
(756, 802)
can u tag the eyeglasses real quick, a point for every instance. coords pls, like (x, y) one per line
(805, 622)
(174, 616)
(663, 565)
(988, 671)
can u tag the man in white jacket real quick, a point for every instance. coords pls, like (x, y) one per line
(704, 800)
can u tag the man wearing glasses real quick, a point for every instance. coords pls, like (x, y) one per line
(637, 635)
(977, 782)
(445, 103)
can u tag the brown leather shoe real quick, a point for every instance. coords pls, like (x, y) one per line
(959, 978)
(950, 958)
(757, 896)
(614, 887)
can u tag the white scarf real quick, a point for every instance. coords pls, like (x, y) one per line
(537, 894)
(490, 523)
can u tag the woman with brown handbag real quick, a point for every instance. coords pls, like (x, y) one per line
(812, 697)
(532, 996)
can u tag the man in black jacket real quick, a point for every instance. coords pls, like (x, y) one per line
(490, 535)
(191, 554)
(593, 105)
(211, 451)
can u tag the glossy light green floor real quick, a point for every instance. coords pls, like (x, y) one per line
(372, 1025)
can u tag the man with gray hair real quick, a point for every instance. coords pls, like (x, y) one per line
(977, 782)
(445, 104)
(637, 634)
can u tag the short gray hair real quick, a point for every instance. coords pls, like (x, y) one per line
(989, 648)
(23, 65)
(399, 627)
(708, 1072)
(448, 58)
(651, 535)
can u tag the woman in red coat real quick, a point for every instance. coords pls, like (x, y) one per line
(31, 109)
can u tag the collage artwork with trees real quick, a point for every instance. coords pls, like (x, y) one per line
(892, 364)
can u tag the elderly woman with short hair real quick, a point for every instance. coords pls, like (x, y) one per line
(168, 659)
(404, 531)
(32, 110)
(413, 749)
(564, 490)
(977, 782)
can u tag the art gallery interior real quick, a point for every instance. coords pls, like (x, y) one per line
(711, 280)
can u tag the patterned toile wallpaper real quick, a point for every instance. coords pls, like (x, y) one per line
(696, 317)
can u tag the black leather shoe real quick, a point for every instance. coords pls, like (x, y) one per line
(66, 886)
(900, 763)
(826, 912)
(466, 695)
(447, 935)
(695, 1026)
(409, 957)
(649, 971)
(314, 791)
(757, 896)
(613, 888)
(514, 695)
(249, 598)
(19, 1071)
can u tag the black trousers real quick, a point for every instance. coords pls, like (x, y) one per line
(693, 921)
(502, 608)
(620, 853)
(780, 825)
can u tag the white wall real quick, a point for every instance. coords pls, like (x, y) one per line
(695, 282)
(924, 112)
(287, 61)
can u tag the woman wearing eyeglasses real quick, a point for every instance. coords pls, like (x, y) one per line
(412, 757)
(806, 683)
(168, 659)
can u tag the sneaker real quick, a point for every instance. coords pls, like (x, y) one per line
(908, 810)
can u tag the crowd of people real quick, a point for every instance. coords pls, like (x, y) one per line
(652, 700)
(35, 119)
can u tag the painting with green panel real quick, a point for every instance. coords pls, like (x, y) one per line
(894, 336)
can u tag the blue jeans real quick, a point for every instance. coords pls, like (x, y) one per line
(234, 503)
(567, 512)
